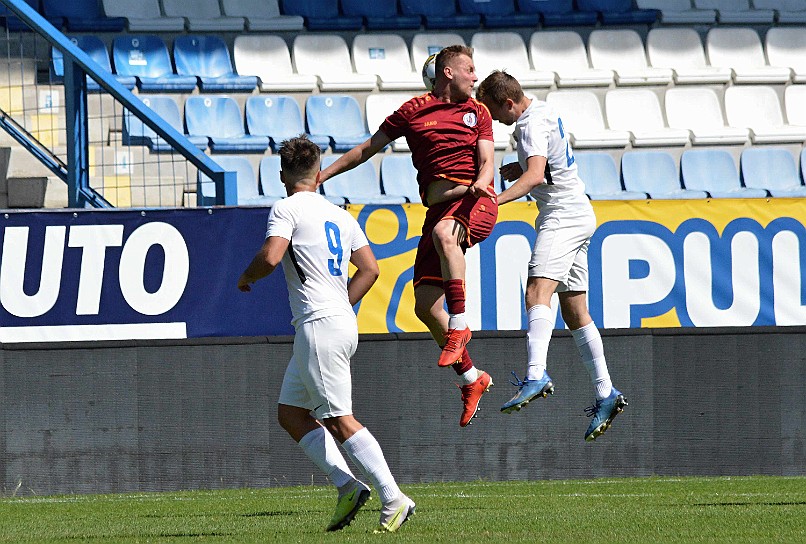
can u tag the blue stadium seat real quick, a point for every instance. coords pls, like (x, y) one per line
(147, 58)
(337, 117)
(95, 48)
(439, 15)
(619, 12)
(558, 12)
(208, 58)
(380, 14)
(83, 15)
(269, 178)
(501, 184)
(279, 118)
(357, 186)
(219, 118)
(137, 133)
(15, 24)
(322, 15)
(399, 177)
(600, 175)
(656, 173)
(248, 194)
(713, 171)
(499, 13)
(773, 169)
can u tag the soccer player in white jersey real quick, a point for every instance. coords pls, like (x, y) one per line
(564, 225)
(315, 241)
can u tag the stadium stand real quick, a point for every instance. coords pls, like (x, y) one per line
(380, 15)
(135, 132)
(262, 15)
(268, 58)
(714, 171)
(399, 177)
(623, 52)
(439, 15)
(278, 117)
(740, 50)
(337, 117)
(638, 111)
(757, 108)
(786, 11)
(601, 177)
(358, 186)
(736, 12)
(499, 13)
(563, 52)
(82, 16)
(219, 118)
(773, 169)
(387, 57)
(14, 24)
(655, 173)
(380, 105)
(506, 51)
(326, 56)
(679, 12)
(787, 47)
(586, 124)
(558, 12)
(248, 194)
(795, 104)
(143, 16)
(202, 15)
(502, 135)
(619, 12)
(425, 44)
(207, 58)
(146, 57)
(680, 49)
(698, 110)
(95, 48)
(803, 164)
(501, 184)
(322, 15)
(269, 177)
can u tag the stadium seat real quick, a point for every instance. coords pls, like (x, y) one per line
(558, 12)
(322, 15)
(207, 58)
(269, 178)
(95, 48)
(803, 164)
(380, 15)
(358, 186)
(736, 12)
(623, 52)
(326, 56)
(135, 132)
(563, 52)
(679, 12)
(714, 171)
(582, 118)
(425, 44)
(278, 118)
(787, 47)
(681, 50)
(795, 104)
(387, 57)
(698, 109)
(399, 177)
(337, 117)
(147, 58)
(202, 16)
(502, 135)
(82, 16)
(654, 173)
(786, 11)
(262, 15)
(219, 118)
(378, 107)
(15, 24)
(619, 12)
(740, 50)
(638, 111)
(502, 50)
(248, 194)
(439, 15)
(773, 169)
(143, 16)
(268, 58)
(600, 175)
(499, 13)
(501, 184)
(757, 107)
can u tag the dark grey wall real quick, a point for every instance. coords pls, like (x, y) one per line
(127, 416)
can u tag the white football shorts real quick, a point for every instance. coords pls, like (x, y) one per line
(560, 252)
(318, 375)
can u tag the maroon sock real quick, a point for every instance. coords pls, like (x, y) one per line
(455, 295)
(462, 365)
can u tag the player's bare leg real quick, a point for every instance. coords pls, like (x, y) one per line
(448, 236)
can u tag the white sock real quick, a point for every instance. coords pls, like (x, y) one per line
(469, 376)
(321, 448)
(589, 344)
(541, 324)
(457, 321)
(366, 453)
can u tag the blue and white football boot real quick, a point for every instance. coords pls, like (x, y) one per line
(603, 413)
(528, 390)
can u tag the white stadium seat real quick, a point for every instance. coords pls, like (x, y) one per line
(787, 47)
(679, 12)
(202, 15)
(267, 57)
(681, 50)
(564, 53)
(262, 15)
(638, 111)
(786, 11)
(757, 107)
(425, 44)
(326, 56)
(737, 12)
(143, 16)
(387, 57)
(795, 104)
(582, 118)
(740, 50)
(623, 52)
(378, 107)
(506, 51)
(698, 109)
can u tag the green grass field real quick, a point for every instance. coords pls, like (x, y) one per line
(747, 509)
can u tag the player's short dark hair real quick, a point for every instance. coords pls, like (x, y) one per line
(299, 155)
(499, 86)
(448, 54)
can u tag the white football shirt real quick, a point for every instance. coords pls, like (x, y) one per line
(539, 132)
(323, 237)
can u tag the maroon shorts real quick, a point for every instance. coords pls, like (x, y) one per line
(477, 215)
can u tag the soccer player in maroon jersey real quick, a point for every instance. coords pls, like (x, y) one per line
(451, 139)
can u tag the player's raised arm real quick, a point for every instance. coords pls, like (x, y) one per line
(264, 262)
(357, 155)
